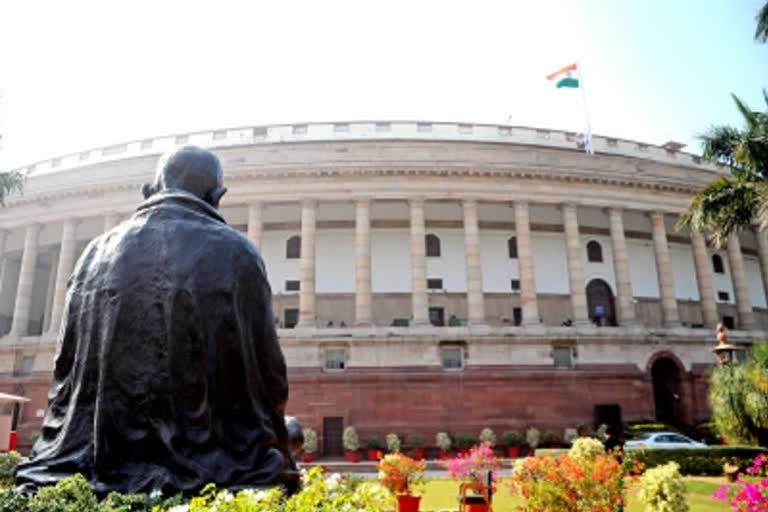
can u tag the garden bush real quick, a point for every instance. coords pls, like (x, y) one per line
(393, 443)
(532, 437)
(487, 435)
(8, 462)
(443, 441)
(662, 489)
(414, 441)
(512, 438)
(373, 443)
(320, 493)
(698, 461)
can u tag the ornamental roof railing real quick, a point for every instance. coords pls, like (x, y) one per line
(367, 130)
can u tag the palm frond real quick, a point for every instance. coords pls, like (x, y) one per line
(724, 207)
(761, 33)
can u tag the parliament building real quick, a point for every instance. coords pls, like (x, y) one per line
(426, 276)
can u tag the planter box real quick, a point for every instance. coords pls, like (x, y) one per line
(352, 456)
(408, 503)
(308, 457)
(374, 455)
(513, 451)
(418, 454)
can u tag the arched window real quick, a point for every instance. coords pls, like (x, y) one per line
(293, 247)
(512, 247)
(717, 264)
(432, 245)
(594, 252)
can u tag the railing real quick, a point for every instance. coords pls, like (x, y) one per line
(366, 130)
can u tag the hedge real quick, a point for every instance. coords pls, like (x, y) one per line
(697, 461)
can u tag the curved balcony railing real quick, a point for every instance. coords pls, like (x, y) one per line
(366, 130)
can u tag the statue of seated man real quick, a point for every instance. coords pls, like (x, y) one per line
(168, 373)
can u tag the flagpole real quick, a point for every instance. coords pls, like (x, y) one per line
(588, 135)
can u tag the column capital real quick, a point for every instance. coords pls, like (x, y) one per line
(309, 202)
(614, 210)
(416, 201)
(364, 199)
(520, 203)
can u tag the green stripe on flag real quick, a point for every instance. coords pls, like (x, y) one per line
(572, 83)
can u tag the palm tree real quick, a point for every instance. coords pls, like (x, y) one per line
(732, 203)
(9, 182)
(761, 33)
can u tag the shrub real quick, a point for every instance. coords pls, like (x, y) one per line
(464, 440)
(443, 441)
(568, 483)
(570, 435)
(350, 439)
(532, 437)
(310, 440)
(487, 436)
(393, 443)
(697, 461)
(8, 463)
(662, 489)
(511, 438)
(586, 448)
(550, 438)
(636, 429)
(748, 496)
(373, 443)
(414, 441)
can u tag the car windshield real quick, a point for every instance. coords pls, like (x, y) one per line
(644, 436)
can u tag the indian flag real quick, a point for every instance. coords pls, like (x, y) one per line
(563, 78)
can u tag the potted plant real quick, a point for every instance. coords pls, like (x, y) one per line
(443, 443)
(402, 475)
(551, 440)
(570, 435)
(532, 438)
(487, 436)
(351, 444)
(310, 445)
(473, 468)
(393, 443)
(373, 447)
(416, 443)
(464, 441)
(512, 439)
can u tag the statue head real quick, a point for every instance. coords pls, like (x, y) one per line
(194, 170)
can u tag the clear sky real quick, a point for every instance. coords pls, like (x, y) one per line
(76, 75)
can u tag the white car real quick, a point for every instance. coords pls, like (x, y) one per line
(662, 440)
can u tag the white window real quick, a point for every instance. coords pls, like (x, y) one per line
(562, 357)
(299, 129)
(451, 358)
(335, 358)
(219, 134)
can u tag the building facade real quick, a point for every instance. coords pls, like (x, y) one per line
(427, 276)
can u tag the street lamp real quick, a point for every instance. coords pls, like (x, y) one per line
(724, 352)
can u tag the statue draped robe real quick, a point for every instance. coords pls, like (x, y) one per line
(168, 373)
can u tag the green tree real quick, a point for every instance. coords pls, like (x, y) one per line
(738, 396)
(732, 203)
(9, 182)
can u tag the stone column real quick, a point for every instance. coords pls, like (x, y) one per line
(474, 274)
(64, 270)
(419, 303)
(621, 267)
(704, 280)
(255, 223)
(575, 267)
(363, 314)
(307, 264)
(3, 239)
(739, 278)
(21, 311)
(669, 313)
(762, 251)
(528, 302)
(111, 220)
(51, 289)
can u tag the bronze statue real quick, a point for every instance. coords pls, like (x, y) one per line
(168, 373)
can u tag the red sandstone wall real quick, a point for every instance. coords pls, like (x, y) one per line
(429, 400)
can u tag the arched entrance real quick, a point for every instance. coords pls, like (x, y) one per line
(667, 390)
(602, 310)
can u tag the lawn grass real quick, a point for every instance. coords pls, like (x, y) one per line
(441, 494)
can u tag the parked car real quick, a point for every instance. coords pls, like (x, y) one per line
(662, 440)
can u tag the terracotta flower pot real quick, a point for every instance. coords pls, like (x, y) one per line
(444, 454)
(352, 456)
(374, 454)
(513, 451)
(418, 454)
(307, 457)
(408, 503)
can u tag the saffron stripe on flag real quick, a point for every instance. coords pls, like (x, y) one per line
(569, 67)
